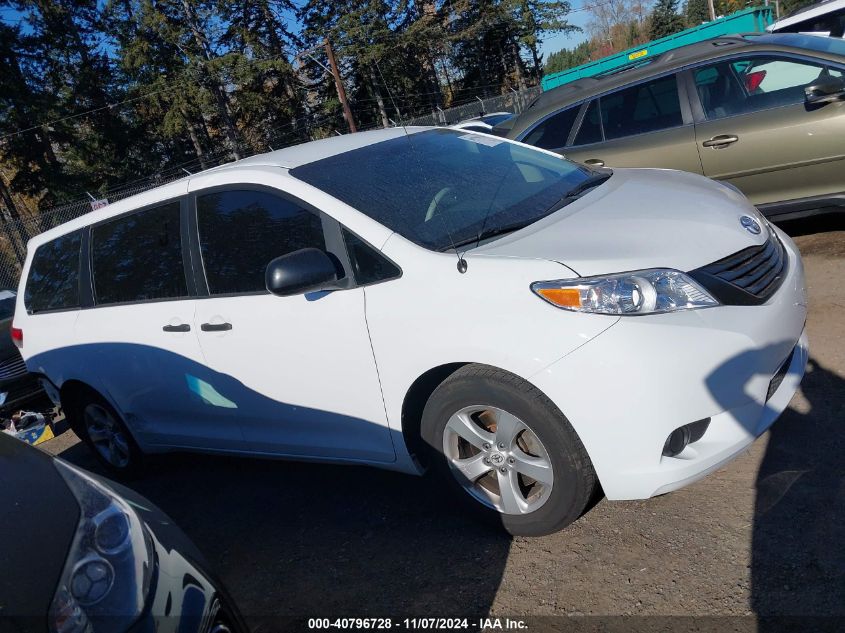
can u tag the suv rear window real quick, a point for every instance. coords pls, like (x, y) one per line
(53, 280)
(138, 257)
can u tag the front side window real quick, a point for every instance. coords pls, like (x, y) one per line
(138, 257)
(53, 280)
(646, 107)
(446, 188)
(243, 231)
(554, 131)
(741, 86)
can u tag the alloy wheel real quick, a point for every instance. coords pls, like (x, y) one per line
(106, 435)
(498, 459)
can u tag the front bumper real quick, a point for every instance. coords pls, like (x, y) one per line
(625, 391)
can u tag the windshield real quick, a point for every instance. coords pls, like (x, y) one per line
(440, 188)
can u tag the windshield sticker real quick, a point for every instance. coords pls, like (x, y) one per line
(481, 140)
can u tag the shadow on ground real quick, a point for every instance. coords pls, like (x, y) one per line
(798, 542)
(291, 539)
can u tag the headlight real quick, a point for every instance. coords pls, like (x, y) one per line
(107, 573)
(638, 292)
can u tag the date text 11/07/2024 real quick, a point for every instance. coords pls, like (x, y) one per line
(430, 624)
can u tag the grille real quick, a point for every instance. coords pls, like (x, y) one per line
(780, 374)
(752, 275)
(12, 367)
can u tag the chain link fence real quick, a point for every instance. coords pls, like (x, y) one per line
(14, 233)
(513, 101)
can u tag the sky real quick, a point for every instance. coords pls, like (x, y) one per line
(557, 41)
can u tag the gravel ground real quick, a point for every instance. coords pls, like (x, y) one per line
(765, 535)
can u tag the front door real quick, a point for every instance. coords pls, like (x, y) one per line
(757, 133)
(298, 371)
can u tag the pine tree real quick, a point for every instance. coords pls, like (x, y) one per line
(696, 12)
(665, 19)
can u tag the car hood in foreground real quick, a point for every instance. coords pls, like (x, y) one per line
(38, 517)
(639, 218)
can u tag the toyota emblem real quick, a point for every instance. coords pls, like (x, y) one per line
(750, 224)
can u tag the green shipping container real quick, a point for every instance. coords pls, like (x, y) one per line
(753, 20)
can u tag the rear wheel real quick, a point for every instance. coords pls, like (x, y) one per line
(508, 451)
(101, 427)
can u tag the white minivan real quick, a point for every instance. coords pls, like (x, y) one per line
(526, 327)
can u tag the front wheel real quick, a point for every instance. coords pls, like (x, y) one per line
(508, 451)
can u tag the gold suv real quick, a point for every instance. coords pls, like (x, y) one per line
(765, 113)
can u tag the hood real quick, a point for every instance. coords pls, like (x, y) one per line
(639, 218)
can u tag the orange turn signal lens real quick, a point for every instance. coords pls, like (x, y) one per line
(563, 297)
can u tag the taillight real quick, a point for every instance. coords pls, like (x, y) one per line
(17, 336)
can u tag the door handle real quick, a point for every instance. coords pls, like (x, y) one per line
(595, 162)
(722, 140)
(184, 327)
(216, 327)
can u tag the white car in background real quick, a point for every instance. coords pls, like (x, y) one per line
(526, 327)
(483, 123)
(826, 19)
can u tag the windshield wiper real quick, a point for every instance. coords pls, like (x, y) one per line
(573, 194)
(492, 232)
(578, 190)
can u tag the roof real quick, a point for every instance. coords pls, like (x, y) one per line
(677, 58)
(297, 155)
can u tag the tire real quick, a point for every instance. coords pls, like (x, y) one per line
(525, 434)
(97, 424)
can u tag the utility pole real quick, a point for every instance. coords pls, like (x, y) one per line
(341, 93)
(712, 10)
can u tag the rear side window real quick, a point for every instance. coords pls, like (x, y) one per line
(243, 231)
(646, 107)
(53, 280)
(554, 131)
(139, 257)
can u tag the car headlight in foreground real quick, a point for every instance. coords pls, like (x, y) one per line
(107, 573)
(639, 292)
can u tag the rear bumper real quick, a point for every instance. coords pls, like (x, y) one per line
(626, 390)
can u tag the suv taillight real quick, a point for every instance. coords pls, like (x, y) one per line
(17, 336)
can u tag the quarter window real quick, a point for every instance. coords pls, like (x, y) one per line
(243, 231)
(554, 131)
(590, 130)
(369, 265)
(741, 86)
(139, 257)
(53, 280)
(646, 107)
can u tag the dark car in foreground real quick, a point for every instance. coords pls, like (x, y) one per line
(80, 554)
(764, 113)
(18, 388)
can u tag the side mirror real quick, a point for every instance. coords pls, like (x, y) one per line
(827, 91)
(305, 270)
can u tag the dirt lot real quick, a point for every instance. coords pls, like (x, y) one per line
(765, 535)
